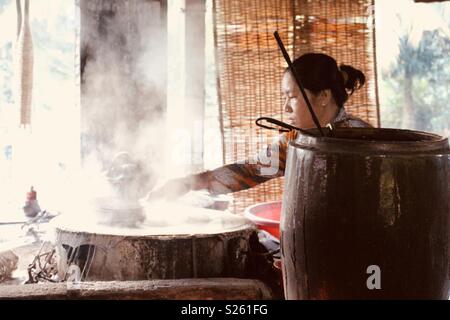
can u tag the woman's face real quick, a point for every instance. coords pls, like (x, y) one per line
(295, 109)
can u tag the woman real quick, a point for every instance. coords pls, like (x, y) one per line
(327, 87)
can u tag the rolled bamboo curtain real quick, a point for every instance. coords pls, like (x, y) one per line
(250, 66)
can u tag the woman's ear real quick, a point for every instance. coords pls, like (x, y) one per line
(325, 97)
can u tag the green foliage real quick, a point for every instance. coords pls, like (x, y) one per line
(428, 67)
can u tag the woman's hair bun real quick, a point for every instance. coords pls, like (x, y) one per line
(354, 79)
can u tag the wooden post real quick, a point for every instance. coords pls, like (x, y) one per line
(195, 78)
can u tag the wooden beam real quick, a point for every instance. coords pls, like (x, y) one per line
(180, 289)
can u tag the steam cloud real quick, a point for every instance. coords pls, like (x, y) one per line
(123, 85)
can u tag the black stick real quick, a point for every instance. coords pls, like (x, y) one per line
(297, 79)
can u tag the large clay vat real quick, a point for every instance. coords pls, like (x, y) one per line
(362, 200)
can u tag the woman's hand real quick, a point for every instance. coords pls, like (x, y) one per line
(170, 190)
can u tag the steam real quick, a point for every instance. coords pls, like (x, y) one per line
(124, 63)
(123, 87)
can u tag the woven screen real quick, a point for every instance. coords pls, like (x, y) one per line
(250, 67)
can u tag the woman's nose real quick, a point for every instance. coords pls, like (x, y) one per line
(287, 106)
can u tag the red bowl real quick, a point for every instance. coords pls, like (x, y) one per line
(266, 216)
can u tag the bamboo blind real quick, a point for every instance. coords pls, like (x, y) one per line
(250, 67)
(343, 30)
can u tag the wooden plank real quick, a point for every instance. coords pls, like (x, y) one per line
(186, 289)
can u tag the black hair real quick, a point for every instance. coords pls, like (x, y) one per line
(318, 71)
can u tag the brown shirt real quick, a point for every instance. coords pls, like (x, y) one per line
(267, 164)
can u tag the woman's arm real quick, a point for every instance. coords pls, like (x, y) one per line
(269, 163)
